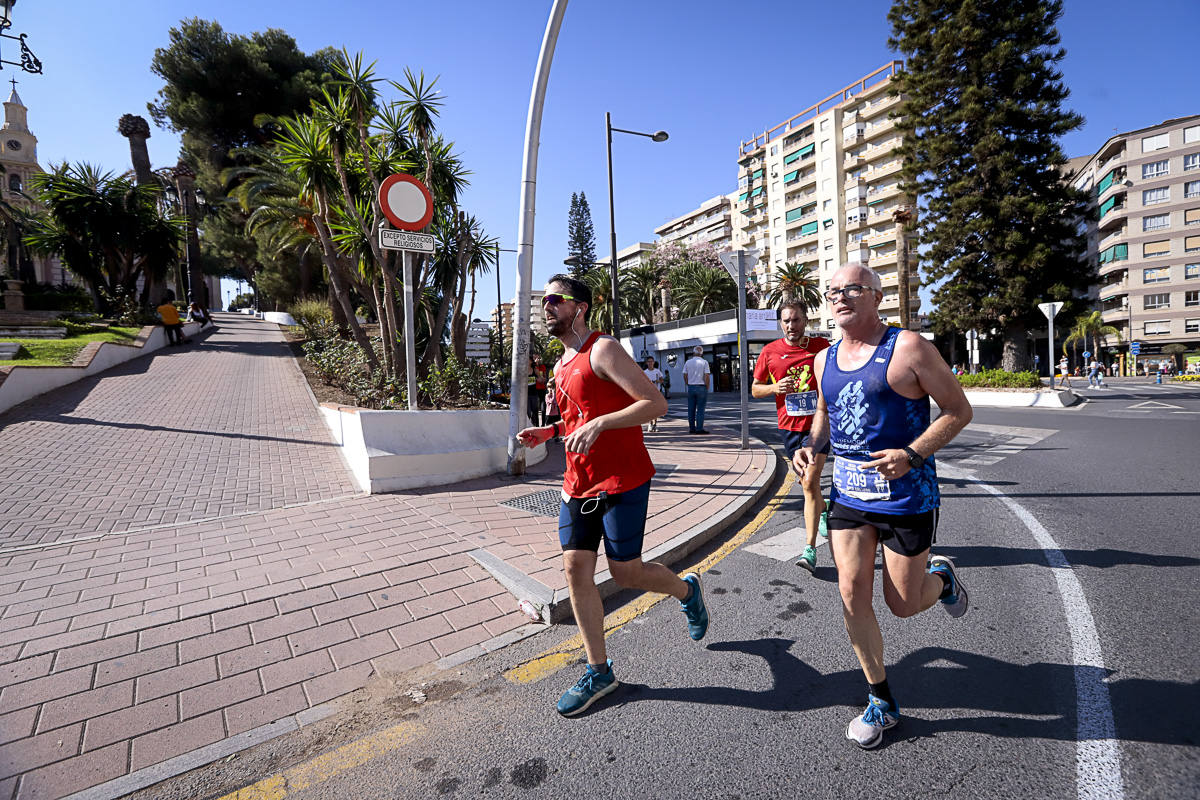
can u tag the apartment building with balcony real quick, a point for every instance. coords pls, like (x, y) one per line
(1144, 232)
(537, 321)
(710, 223)
(820, 188)
(628, 257)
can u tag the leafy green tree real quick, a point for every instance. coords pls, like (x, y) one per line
(640, 290)
(795, 282)
(108, 230)
(982, 114)
(581, 238)
(1089, 325)
(700, 290)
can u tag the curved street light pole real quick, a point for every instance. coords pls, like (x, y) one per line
(520, 351)
(614, 290)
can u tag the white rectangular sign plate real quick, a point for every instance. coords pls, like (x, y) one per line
(391, 239)
(761, 319)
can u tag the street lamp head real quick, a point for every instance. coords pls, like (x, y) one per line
(6, 7)
(660, 136)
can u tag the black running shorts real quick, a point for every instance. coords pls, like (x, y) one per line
(906, 534)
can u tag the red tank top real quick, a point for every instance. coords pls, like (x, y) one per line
(618, 460)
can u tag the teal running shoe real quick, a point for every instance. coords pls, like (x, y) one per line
(867, 730)
(956, 602)
(696, 611)
(808, 560)
(590, 688)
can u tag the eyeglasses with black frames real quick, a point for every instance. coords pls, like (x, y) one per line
(851, 291)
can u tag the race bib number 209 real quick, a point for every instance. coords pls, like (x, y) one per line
(854, 480)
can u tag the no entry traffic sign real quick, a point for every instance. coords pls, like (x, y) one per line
(406, 202)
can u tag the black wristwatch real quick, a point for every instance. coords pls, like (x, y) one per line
(915, 459)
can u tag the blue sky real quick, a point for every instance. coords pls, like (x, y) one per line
(710, 73)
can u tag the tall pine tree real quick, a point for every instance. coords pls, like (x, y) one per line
(581, 239)
(982, 118)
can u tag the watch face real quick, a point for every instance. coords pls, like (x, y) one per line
(13, 144)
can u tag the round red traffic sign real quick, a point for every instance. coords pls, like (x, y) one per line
(406, 202)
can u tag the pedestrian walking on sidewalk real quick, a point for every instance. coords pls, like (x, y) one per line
(605, 399)
(1064, 372)
(785, 371)
(698, 377)
(1094, 380)
(875, 385)
(655, 376)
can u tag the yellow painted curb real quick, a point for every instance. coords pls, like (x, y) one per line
(552, 660)
(327, 765)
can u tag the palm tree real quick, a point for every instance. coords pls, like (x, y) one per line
(795, 282)
(600, 315)
(641, 285)
(702, 290)
(1089, 325)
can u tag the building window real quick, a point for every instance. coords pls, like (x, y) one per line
(1159, 195)
(825, 124)
(1191, 189)
(1191, 134)
(1191, 244)
(1191, 326)
(1156, 223)
(1156, 275)
(1191, 161)
(774, 149)
(1191, 216)
(1191, 272)
(1158, 327)
(1156, 142)
(1192, 298)
(14, 182)
(1159, 248)
(1153, 301)
(1156, 169)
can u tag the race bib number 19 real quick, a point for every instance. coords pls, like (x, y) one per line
(800, 404)
(853, 480)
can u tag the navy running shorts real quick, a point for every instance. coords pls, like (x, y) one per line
(618, 519)
(794, 440)
(906, 534)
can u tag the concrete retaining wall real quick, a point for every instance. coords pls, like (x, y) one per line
(24, 383)
(981, 398)
(393, 450)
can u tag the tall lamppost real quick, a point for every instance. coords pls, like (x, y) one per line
(658, 136)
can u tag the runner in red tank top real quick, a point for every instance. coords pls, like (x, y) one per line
(604, 398)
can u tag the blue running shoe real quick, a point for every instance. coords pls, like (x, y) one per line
(696, 611)
(590, 688)
(867, 731)
(956, 602)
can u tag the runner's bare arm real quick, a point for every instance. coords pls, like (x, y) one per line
(819, 433)
(611, 362)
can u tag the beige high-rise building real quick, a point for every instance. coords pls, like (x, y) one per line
(1145, 240)
(537, 320)
(820, 188)
(711, 223)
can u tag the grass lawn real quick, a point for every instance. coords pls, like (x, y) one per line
(61, 352)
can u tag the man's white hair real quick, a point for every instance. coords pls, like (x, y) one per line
(869, 276)
(698, 350)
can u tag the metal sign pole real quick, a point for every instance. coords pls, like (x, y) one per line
(742, 348)
(410, 331)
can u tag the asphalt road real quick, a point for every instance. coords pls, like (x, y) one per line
(1074, 674)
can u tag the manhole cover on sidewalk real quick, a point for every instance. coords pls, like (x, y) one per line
(546, 502)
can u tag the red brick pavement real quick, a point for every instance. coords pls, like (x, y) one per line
(123, 651)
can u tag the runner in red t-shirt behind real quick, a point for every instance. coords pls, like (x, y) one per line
(785, 370)
(604, 399)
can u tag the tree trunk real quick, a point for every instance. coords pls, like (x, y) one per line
(389, 366)
(1015, 357)
(391, 285)
(339, 314)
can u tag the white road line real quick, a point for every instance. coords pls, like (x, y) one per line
(1097, 750)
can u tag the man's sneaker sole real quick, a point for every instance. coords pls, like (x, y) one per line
(959, 607)
(605, 691)
(807, 566)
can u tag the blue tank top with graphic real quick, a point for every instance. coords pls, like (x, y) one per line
(866, 415)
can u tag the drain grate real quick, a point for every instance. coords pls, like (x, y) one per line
(544, 503)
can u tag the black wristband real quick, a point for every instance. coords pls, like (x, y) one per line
(554, 429)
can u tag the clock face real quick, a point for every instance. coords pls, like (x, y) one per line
(13, 145)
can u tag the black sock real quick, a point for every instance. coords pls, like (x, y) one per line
(882, 691)
(600, 668)
(948, 588)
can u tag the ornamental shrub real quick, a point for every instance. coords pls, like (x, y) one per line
(314, 316)
(1000, 379)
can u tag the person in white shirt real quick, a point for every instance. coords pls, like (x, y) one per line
(698, 378)
(655, 376)
(1064, 373)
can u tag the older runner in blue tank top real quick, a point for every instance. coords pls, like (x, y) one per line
(875, 385)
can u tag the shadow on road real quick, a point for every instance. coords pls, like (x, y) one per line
(1027, 701)
(1103, 557)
